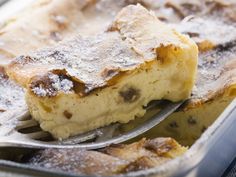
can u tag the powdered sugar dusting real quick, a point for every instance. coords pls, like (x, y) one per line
(11, 98)
(216, 31)
(57, 84)
(40, 91)
(78, 161)
(84, 59)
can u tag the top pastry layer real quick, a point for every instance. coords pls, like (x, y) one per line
(134, 38)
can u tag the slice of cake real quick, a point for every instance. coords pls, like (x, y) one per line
(89, 82)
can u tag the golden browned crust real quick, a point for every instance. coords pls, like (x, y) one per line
(113, 160)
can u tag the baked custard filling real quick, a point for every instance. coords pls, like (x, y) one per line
(89, 82)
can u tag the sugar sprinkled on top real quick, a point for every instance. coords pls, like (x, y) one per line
(12, 100)
(57, 84)
(85, 58)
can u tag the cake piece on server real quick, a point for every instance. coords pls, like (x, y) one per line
(89, 82)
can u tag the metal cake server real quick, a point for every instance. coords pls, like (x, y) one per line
(25, 132)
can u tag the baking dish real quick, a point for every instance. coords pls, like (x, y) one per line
(215, 148)
(174, 129)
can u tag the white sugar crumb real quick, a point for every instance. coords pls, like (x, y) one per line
(2, 43)
(11, 97)
(40, 91)
(59, 84)
(35, 33)
(60, 19)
